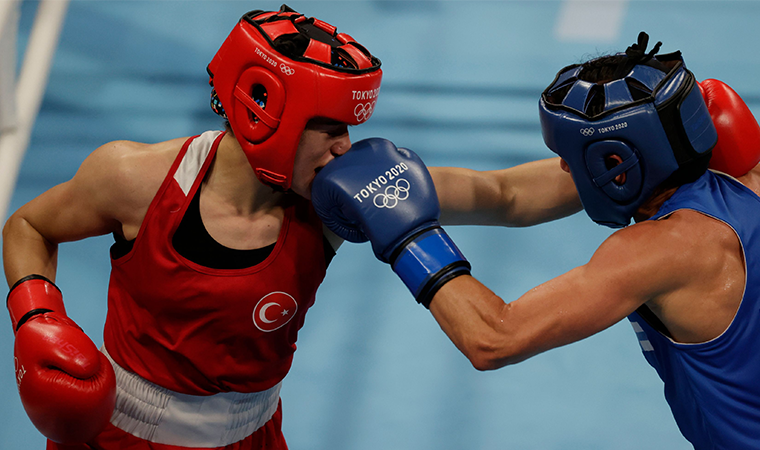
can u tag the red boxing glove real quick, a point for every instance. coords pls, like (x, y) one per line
(738, 147)
(66, 385)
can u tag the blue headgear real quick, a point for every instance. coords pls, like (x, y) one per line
(651, 115)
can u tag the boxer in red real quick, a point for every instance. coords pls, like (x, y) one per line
(218, 251)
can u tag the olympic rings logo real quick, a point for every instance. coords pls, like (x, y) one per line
(287, 70)
(587, 131)
(362, 111)
(393, 195)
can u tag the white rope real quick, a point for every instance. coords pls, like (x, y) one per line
(30, 89)
(9, 14)
(8, 7)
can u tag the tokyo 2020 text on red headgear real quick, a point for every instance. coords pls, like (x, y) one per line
(277, 70)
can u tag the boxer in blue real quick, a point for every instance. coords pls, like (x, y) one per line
(636, 131)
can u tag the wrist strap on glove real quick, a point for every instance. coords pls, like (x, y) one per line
(427, 261)
(32, 295)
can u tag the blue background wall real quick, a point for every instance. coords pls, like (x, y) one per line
(461, 85)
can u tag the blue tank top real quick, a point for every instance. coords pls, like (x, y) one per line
(713, 388)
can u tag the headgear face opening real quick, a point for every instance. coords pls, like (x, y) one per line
(652, 117)
(277, 70)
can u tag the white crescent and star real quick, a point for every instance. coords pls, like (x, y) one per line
(286, 304)
(263, 312)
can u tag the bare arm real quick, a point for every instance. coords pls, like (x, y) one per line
(523, 195)
(651, 262)
(70, 211)
(107, 194)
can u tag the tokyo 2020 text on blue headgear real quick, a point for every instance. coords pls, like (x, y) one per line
(650, 114)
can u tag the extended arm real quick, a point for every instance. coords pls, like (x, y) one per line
(528, 194)
(671, 265)
(667, 263)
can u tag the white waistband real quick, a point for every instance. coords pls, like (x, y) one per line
(160, 415)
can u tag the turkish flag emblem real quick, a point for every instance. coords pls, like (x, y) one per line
(274, 310)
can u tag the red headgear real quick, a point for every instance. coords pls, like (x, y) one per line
(275, 71)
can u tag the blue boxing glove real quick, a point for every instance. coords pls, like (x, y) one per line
(384, 194)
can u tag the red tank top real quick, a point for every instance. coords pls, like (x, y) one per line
(198, 330)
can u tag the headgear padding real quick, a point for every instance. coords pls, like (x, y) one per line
(652, 116)
(276, 71)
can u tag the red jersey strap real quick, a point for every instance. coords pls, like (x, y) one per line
(245, 321)
(182, 172)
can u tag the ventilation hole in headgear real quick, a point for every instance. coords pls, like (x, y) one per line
(595, 101)
(308, 29)
(291, 45)
(294, 45)
(558, 95)
(341, 58)
(259, 95)
(637, 89)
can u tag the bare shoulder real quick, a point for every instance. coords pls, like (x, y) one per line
(131, 160)
(668, 254)
(124, 176)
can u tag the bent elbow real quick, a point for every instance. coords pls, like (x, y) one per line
(8, 226)
(492, 354)
(484, 364)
